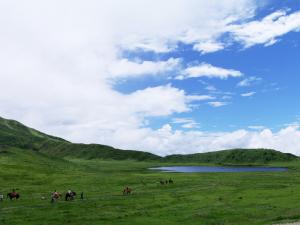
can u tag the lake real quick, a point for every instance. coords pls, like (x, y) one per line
(207, 169)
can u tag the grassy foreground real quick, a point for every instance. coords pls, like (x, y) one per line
(194, 198)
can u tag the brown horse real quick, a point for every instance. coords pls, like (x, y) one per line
(127, 191)
(56, 195)
(13, 195)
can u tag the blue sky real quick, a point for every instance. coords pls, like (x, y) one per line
(173, 76)
(276, 68)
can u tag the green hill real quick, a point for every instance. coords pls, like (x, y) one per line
(234, 156)
(15, 134)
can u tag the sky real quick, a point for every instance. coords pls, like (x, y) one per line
(168, 77)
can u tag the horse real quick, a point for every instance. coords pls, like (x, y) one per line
(171, 181)
(127, 191)
(13, 195)
(56, 195)
(162, 182)
(70, 195)
(1, 198)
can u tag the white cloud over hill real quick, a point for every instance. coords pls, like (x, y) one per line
(58, 60)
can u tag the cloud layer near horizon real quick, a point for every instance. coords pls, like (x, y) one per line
(59, 61)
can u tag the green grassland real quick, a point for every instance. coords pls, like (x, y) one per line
(36, 164)
(194, 198)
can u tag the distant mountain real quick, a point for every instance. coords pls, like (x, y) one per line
(234, 156)
(15, 134)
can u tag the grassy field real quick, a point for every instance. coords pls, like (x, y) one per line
(194, 198)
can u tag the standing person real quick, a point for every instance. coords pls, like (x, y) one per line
(81, 195)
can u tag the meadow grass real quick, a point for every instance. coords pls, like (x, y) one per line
(194, 198)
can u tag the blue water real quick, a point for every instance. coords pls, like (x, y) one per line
(207, 169)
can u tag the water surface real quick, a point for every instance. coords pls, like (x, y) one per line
(206, 169)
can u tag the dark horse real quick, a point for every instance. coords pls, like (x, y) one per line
(13, 195)
(127, 191)
(70, 195)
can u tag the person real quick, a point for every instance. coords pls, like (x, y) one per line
(1, 197)
(81, 195)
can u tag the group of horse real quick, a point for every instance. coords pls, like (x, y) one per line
(170, 181)
(70, 195)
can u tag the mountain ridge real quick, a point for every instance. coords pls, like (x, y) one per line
(16, 134)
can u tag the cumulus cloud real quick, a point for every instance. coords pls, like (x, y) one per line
(267, 30)
(159, 101)
(166, 140)
(58, 58)
(208, 70)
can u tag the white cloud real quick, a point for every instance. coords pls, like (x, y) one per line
(207, 70)
(249, 81)
(124, 68)
(267, 30)
(166, 141)
(208, 47)
(57, 59)
(187, 123)
(159, 101)
(217, 104)
(248, 94)
(183, 23)
(199, 97)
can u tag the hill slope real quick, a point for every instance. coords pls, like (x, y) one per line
(15, 134)
(234, 156)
